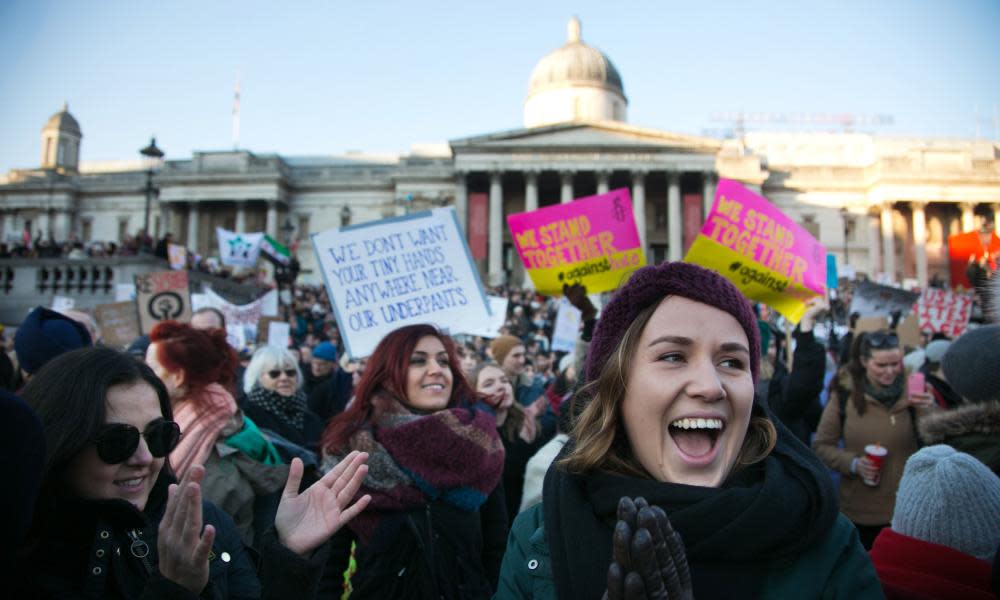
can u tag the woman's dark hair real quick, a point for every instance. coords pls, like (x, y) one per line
(385, 376)
(861, 349)
(70, 395)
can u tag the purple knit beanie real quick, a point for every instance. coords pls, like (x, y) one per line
(648, 286)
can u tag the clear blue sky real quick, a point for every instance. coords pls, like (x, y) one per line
(326, 77)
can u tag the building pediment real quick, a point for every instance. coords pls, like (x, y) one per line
(603, 136)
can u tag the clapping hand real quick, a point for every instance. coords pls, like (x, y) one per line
(305, 521)
(182, 545)
(648, 561)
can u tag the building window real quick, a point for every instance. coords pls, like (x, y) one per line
(809, 224)
(122, 229)
(303, 227)
(62, 152)
(87, 227)
(660, 216)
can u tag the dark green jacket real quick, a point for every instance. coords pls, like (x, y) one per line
(836, 568)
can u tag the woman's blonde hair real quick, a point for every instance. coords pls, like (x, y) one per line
(600, 440)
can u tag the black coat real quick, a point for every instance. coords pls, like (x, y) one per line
(306, 437)
(83, 549)
(794, 397)
(329, 397)
(439, 552)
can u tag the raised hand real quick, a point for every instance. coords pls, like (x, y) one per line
(577, 296)
(305, 521)
(182, 545)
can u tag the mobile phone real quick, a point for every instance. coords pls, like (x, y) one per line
(915, 384)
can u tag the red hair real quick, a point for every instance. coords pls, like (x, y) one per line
(385, 375)
(204, 356)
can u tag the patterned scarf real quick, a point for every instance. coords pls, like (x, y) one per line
(454, 455)
(287, 409)
(201, 419)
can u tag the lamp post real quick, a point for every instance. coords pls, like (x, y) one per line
(345, 216)
(152, 156)
(848, 222)
(286, 231)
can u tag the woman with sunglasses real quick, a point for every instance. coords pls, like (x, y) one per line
(276, 400)
(869, 405)
(244, 472)
(436, 526)
(111, 520)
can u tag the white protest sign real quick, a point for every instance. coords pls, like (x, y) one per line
(61, 303)
(238, 249)
(277, 334)
(403, 271)
(124, 291)
(241, 320)
(490, 327)
(944, 311)
(567, 327)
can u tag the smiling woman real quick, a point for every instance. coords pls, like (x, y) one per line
(697, 478)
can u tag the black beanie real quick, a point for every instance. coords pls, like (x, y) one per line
(44, 335)
(971, 364)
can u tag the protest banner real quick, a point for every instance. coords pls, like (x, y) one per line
(124, 291)
(241, 319)
(489, 328)
(567, 327)
(263, 327)
(969, 247)
(277, 334)
(767, 255)
(61, 303)
(238, 249)
(871, 299)
(119, 323)
(873, 323)
(831, 272)
(908, 331)
(162, 296)
(177, 255)
(944, 311)
(592, 241)
(406, 270)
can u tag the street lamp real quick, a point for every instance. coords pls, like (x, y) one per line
(286, 231)
(151, 157)
(848, 223)
(345, 216)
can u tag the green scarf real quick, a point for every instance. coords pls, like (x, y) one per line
(252, 442)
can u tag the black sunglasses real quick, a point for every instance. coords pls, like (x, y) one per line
(116, 443)
(276, 373)
(882, 339)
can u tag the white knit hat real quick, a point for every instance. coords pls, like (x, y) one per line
(948, 497)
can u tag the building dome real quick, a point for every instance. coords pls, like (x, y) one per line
(576, 82)
(63, 121)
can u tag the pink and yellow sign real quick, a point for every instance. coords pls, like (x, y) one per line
(592, 241)
(769, 257)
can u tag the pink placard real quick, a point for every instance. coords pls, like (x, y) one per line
(750, 225)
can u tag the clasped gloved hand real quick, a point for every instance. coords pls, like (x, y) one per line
(648, 559)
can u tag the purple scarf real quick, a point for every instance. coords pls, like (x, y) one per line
(454, 455)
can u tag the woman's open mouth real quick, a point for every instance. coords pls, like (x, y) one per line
(697, 438)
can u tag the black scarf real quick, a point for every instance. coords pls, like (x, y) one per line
(888, 395)
(773, 510)
(286, 409)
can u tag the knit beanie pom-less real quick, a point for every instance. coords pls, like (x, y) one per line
(648, 286)
(45, 334)
(970, 364)
(502, 345)
(949, 498)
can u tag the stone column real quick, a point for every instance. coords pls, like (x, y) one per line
(192, 235)
(707, 194)
(603, 182)
(272, 219)
(566, 191)
(60, 229)
(639, 208)
(241, 216)
(874, 247)
(462, 201)
(495, 254)
(42, 225)
(165, 224)
(920, 240)
(968, 216)
(675, 223)
(530, 191)
(888, 243)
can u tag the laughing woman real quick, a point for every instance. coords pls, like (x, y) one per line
(671, 421)
(436, 524)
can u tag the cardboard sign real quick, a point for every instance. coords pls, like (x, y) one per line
(871, 299)
(241, 320)
(263, 327)
(767, 255)
(567, 327)
(61, 303)
(490, 328)
(592, 241)
(124, 291)
(177, 255)
(162, 296)
(119, 323)
(238, 249)
(943, 311)
(277, 334)
(909, 332)
(387, 274)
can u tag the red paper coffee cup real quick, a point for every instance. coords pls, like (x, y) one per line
(876, 454)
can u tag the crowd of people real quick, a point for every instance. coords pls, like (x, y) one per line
(691, 445)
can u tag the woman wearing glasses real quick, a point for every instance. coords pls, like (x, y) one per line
(111, 520)
(244, 472)
(276, 400)
(869, 406)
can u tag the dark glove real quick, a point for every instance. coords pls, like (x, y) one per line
(648, 559)
(577, 296)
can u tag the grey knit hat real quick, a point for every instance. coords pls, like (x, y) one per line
(948, 497)
(970, 364)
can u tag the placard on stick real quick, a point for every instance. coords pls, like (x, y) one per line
(119, 323)
(162, 296)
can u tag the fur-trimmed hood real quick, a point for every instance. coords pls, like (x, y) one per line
(982, 419)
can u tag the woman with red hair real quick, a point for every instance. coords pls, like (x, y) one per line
(436, 525)
(243, 472)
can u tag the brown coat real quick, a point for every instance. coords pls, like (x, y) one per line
(892, 428)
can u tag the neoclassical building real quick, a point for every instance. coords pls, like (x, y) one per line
(885, 206)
